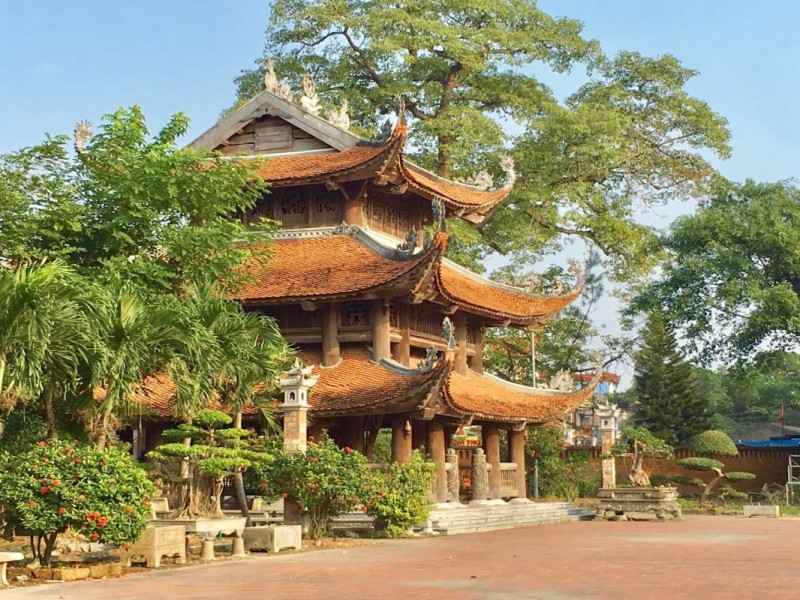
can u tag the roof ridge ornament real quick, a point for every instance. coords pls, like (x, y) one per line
(448, 333)
(410, 244)
(578, 271)
(507, 164)
(562, 381)
(309, 100)
(340, 118)
(431, 358)
(82, 134)
(270, 78)
(344, 228)
(437, 206)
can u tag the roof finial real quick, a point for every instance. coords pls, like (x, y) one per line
(448, 333)
(507, 164)
(410, 243)
(270, 79)
(437, 207)
(577, 270)
(83, 133)
(401, 109)
(431, 356)
(340, 118)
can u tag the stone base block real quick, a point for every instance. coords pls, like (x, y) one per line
(272, 539)
(755, 510)
(169, 540)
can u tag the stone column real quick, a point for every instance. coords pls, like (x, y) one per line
(516, 446)
(460, 322)
(330, 332)
(296, 382)
(480, 483)
(609, 464)
(453, 476)
(437, 454)
(381, 344)
(491, 446)
(401, 440)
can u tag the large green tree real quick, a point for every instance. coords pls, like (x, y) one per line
(732, 281)
(669, 402)
(129, 203)
(471, 75)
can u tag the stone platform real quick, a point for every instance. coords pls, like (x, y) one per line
(471, 519)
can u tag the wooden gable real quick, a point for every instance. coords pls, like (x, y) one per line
(271, 135)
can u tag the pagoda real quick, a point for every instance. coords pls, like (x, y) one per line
(394, 329)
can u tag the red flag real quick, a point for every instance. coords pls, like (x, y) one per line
(781, 414)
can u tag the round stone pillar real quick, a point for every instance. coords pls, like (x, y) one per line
(401, 440)
(516, 446)
(436, 450)
(491, 446)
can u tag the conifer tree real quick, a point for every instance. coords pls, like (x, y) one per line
(669, 401)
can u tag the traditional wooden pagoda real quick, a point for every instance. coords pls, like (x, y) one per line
(361, 293)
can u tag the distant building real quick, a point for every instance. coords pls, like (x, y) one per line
(583, 425)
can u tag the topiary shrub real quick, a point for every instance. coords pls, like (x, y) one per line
(400, 498)
(326, 480)
(640, 443)
(96, 492)
(717, 443)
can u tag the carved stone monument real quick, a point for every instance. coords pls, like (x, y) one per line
(480, 479)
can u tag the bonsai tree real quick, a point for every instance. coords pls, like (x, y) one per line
(215, 451)
(707, 444)
(326, 480)
(99, 493)
(642, 444)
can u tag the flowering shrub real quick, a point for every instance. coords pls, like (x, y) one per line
(568, 478)
(400, 498)
(58, 485)
(326, 480)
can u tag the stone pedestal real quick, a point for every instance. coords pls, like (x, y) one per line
(156, 542)
(480, 481)
(622, 501)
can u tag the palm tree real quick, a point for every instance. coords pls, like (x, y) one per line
(38, 316)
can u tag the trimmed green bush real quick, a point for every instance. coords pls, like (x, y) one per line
(700, 463)
(688, 480)
(739, 476)
(713, 442)
(400, 498)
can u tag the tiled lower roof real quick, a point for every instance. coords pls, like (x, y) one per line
(359, 383)
(339, 265)
(155, 398)
(481, 295)
(452, 192)
(490, 398)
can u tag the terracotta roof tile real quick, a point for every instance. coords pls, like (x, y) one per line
(358, 383)
(495, 400)
(476, 293)
(327, 266)
(156, 397)
(450, 191)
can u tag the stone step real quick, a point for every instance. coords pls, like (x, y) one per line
(488, 518)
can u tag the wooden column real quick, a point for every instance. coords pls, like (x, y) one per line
(419, 433)
(381, 346)
(330, 332)
(354, 433)
(476, 361)
(516, 446)
(491, 447)
(460, 322)
(403, 347)
(401, 441)
(437, 453)
(353, 212)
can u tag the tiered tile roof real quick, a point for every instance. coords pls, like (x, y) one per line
(492, 399)
(332, 266)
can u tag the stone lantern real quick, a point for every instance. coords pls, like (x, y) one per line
(606, 418)
(296, 383)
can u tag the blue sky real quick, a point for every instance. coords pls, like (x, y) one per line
(62, 62)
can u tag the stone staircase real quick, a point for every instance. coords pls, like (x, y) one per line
(471, 519)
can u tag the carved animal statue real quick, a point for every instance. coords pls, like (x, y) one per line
(340, 118)
(83, 133)
(309, 101)
(270, 79)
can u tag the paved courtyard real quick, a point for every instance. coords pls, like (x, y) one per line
(701, 557)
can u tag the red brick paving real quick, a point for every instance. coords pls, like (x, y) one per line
(701, 557)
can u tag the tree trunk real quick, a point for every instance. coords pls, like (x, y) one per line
(710, 485)
(50, 412)
(102, 434)
(238, 479)
(50, 542)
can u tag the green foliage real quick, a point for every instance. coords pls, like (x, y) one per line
(580, 478)
(400, 498)
(659, 480)
(630, 135)
(558, 477)
(688, 480)
(211, 454)
(643, 442)
(669, 401)
(96, 492)
(712, 442)
(326, 480)
(700, 463)
(126, 202)
(21, 430)
(726, 491)
(733, 279)
(739, 476)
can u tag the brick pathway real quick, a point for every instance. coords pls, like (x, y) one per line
(701, 557)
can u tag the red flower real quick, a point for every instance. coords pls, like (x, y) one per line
(314, 459)
(102, 463)
(69, 450)
(45, 489)
(347, 449)
(32, 502)
(102, 521)
(56, 482)
(45, 459)
(90, 517)
(285, 495)
(262, 485)
(128, 509)
(62, 510)
(95, 537)
(43, 480)
(77, 459)
(43, 443)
